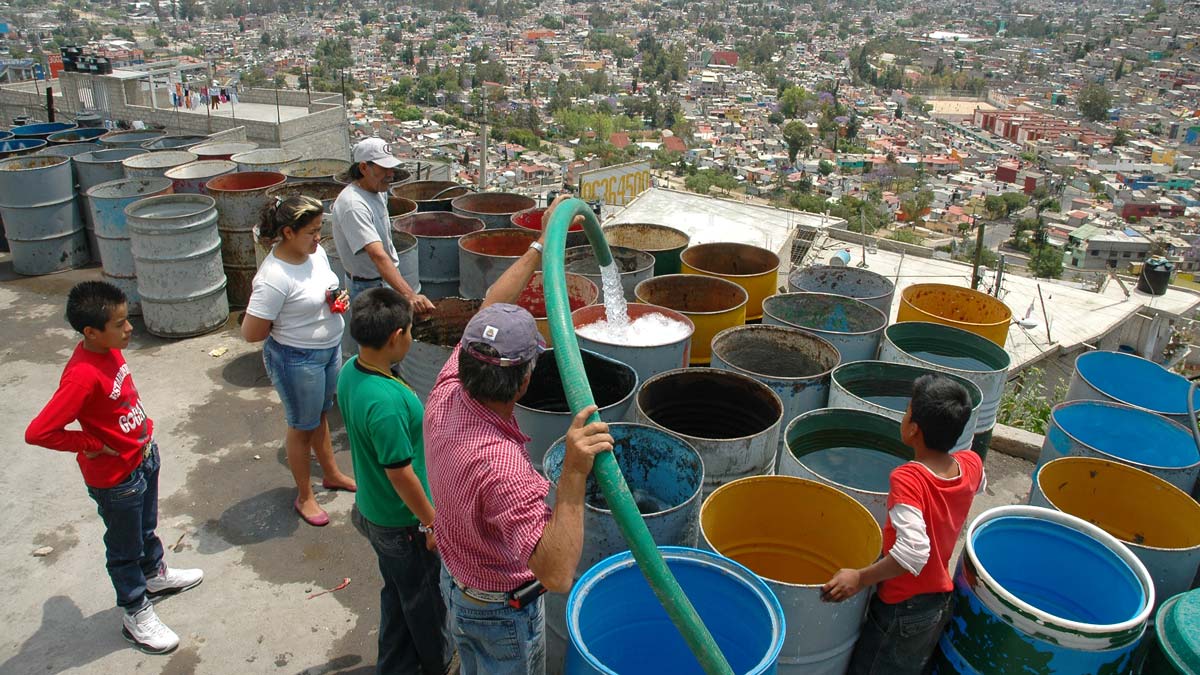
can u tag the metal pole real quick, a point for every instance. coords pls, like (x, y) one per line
(49, 104)
(978, 257)
(278, 124)
(999, 277)
(1045, 318)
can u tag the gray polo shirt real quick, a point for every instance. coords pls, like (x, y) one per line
(359, 218)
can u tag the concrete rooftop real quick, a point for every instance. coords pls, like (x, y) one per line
(225, 506)
(257, 112)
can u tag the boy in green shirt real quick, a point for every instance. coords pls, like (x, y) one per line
(392, 509)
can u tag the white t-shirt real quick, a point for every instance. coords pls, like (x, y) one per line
(359, 218)
(292, 297)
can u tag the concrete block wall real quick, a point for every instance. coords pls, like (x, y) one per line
(319, 135)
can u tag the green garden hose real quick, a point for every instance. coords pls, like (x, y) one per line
(607, 472)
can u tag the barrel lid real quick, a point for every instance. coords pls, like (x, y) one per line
(1179, 631)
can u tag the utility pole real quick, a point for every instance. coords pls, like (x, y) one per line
(483, 148)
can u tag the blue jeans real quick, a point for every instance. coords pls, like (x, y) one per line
(306, 380)
(493, 638)
(355, 286)
(414, 632)
(133, 551)
(899, 639)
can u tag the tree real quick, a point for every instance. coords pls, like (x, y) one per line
(795, 101)
(995, 206)
(1120, 138)
(918, 105)
(1046, 261)
(1094, 102)
(775, 117)
(825, 167)
(797, 137)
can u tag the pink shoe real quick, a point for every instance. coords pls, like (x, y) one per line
(319, 520)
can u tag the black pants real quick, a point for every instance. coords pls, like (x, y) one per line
(414, 634)
(899, 639)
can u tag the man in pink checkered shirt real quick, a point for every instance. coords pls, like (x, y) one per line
(501, 546)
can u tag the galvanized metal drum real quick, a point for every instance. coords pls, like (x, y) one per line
(42, 222)
(70, 150)
(483, 256)
(435, 335)
(650, 354)
(633, 266)
(494, 209)
(72, 136)
(102, 166)
(430, 195)
(222, 149)
(531, 219)
(318, 170)
(177, 253)
(796, 365)
(107, 202)
(191, 178)
(409, 264)
(852, 282)
(796, 534)
(751, 267)
(733, 420)
(176, 142)
(854, 327)
(886, 388)
(664, 473)
(133, 138)
(854, 451)
(437, 236)
(1157, 521)
(240, 199)
(15, 147)
(156, 164)
(264, 159)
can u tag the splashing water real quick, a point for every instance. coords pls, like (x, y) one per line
(648, 330)
(615, 307)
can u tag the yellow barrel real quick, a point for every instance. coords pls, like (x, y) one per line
(1157, 521)
(754, 269)
(955, 306)
(712, 303)
(581, 292)
(795, 534)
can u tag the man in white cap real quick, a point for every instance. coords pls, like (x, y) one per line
(361, 227)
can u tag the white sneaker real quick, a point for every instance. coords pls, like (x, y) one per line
(148, 633)
(171, 581)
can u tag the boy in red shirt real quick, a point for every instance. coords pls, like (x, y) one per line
(118, 457)
(927, 506)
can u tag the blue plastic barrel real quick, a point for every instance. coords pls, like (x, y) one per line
(5, 135)
(1040, 591)
(1128, 435)
(617, 625)
(41, 130)
(1132, 380)
(20, 146)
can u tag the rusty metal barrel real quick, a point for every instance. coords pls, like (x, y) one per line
(796, 365)
(102, 166)
(240, 198)
(712, 304)
(129, 139)
(437, 236)
(580, 293)
(107, 202)
(191, 178)
(42, 222)
(483, 256)
(264, 159)
(853, 282)
(494, 209)
(409, 263)
(319, 170)
(732, 419)
(175, 142)
(326, 193)
(531, 219)
(430, 195)
(662, 242)
(177, 253)
(222, 149)
(633, 266)
(854, 327)
(156, 164)
(434, 337)
(964, 308)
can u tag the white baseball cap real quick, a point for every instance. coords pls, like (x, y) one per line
(375, 150)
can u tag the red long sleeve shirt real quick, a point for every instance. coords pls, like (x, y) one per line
(97, 391)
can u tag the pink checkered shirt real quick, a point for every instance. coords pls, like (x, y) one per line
(490, 501)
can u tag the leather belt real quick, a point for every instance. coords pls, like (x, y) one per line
(363, 279)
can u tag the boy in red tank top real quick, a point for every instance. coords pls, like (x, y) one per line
(118, 458)
(927, 505)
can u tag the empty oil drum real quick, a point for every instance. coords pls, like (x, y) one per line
(733, 420)
(494, 209)
(240, 198)
(75, 136)
(320, 170)
(15, 147)
(633, 266)
(664, 475)
(854, 327)
(795, 556)
(156, 164)
(853, 282)
(712, 305)
(41, 130)
(102, 166)
(41, 220)
(176, 142)
(222, 149)
(483, 256)
(177, 253)
(70, 150)
(129, 139)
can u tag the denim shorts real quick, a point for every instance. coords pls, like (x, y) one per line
(306, 380)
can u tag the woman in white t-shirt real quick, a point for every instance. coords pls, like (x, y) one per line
(296, 305)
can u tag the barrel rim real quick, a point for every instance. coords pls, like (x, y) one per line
(667, 311)
(819, 412)
(282, 159)
(4, 163)
(714, 244)
(94, 157)
(158, 156)
(1158, 419)
(647, 263)
(482, 234)
(883, 324)
(962, 335)
(131, 211)
(1156, 481)
(547, 353)
(449, 184)
(471, 195)
(972, 388)
(768, 328)
(851, 270)
(753, 383)
(1066, 520)
(244, 175)
(1160, 616)
(218, 144)
(232, 167)
(475, 226)
(687, 238)
(706, 279)
(1113, 399)
(837, 493)
(904, 299)
(93, 192)
(622, 561)
(587, 506)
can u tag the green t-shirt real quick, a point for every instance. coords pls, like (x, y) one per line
(383, 421)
